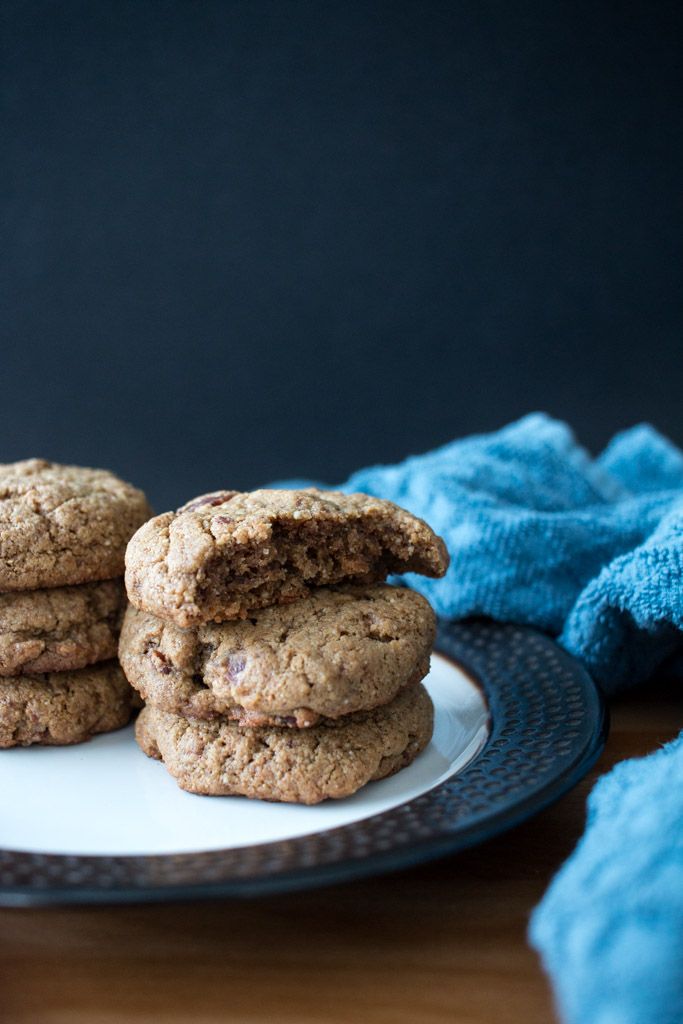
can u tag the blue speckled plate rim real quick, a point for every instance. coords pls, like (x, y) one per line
(548, 727)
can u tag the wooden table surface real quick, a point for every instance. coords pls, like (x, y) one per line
(440, 943)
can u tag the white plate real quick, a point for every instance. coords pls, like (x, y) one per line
(106, 797)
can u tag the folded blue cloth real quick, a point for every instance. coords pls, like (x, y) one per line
(610, 928)
(590, 551)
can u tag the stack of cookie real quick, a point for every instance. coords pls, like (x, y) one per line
(63, 534)
(274, 662)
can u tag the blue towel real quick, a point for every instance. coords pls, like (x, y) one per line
(590, 551)
(610, 928)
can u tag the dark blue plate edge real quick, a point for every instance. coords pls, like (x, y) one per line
(403, 856)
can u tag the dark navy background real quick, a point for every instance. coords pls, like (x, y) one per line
(250, 240)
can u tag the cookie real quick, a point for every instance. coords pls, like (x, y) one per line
(329, 761)
(225, 554)
(61, 525)
(330, 654)
(59, 708)
(60, 629)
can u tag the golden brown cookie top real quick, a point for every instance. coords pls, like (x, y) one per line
(227, 553)
(61, 525)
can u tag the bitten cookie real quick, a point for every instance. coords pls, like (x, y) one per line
(225, 554)
(61, 525)
(329, 761)
(60, 629)
(59, 708)
(330, 654)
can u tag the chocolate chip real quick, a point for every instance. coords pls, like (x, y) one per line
(162, 664)
(209, 499)
(234, 664)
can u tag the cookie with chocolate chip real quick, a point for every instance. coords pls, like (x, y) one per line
(61, 525)
(227, 554)
(61, 628)
(332, 760)
(334, 652)
(60, 708)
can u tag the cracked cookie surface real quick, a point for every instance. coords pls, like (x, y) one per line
(61, 525)
(59, 629)
(332, 653)
(328, 761)
(225, 554)
(60, 708)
